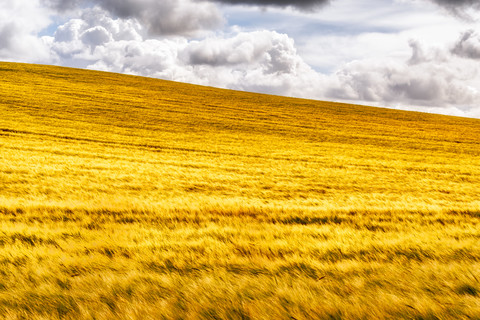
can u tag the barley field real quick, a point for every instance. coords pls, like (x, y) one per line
(124, 197)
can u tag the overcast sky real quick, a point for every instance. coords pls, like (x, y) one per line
(411, 54)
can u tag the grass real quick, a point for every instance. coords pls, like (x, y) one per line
(124, 197)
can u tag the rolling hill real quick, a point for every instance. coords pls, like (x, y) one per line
(124, 197)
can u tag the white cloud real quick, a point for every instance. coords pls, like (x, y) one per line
(430, 78)
(153, 58)
(19, 22)
(70, 31)
(263, 61)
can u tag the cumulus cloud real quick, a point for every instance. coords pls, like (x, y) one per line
(276, 52)
(70, 30)
(166, 17)
(422, 85)
(263, 61)
(430, 78)
(74, 42)
(96, 36)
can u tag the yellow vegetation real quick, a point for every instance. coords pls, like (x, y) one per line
(125, 197)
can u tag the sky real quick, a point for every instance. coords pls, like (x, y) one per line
(420, 55)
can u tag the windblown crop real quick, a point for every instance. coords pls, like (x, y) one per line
(124, 197)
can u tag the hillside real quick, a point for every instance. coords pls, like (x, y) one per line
(125, 197)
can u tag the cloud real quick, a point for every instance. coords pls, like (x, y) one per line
(7, 33)
(430, 78)
(243, 49)
(96, 36)
(262, 61)
(302, 5)
(20, 20)
(458, 3)
(74, 42)
(420, 54)
(63, 5)
(459, 8)
(166, 17)
(468, 46)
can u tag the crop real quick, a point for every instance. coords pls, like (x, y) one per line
(124, 197)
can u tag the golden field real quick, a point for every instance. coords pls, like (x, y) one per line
(125, 197)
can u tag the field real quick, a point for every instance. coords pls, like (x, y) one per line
(125, 197)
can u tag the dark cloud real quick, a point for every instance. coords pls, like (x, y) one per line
(459, 8)
(458, 3)
(166, 17)
(63, 5)
(174, 17)
(468, 46)
(303, 5)
(128, 8)
(454, 6)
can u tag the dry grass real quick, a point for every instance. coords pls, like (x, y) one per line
(130, 198)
